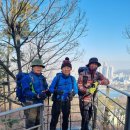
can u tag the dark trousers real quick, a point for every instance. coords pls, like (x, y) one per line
(32, 116)
(57, 107)
(86, 113)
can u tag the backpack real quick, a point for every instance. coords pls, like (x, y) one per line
(19, 93)
(85, 69)
(81, 69)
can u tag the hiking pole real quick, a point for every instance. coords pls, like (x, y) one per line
(70, 115)
(94, 111)
(70, 107)
(60, 110)
(86, 112)
(86, 120)
(70, 98)
(83, 125)
(47, 112)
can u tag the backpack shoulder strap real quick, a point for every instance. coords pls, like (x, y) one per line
(31, 83)
(97, 74)
(85, 70)
(82, 69)
(57, 82)
(72, 80)
(31, 77)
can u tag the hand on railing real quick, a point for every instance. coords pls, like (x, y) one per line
(93, 87)
(91, 90)
(95, 84)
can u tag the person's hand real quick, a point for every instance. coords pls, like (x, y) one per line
(59, 92)
(42, 96)
(71, 95)
(48, 93)
(95, 84)
(93, 87)
(92, 90)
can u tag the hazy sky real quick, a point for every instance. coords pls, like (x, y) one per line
(107, 21)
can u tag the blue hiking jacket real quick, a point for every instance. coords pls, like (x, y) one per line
(39, 84)
(64, 84)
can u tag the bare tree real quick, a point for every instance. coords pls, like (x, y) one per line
(50, 29)
(53, 26)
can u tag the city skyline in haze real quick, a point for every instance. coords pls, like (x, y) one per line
(106, 39)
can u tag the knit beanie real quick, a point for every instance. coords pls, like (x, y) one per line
(66, 62)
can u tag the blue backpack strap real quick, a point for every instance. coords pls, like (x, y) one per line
(72, 80)
(57, 82)
(54, 97)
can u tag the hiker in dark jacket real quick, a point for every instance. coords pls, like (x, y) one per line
(34, 87)
(63, 87)
(88, 81)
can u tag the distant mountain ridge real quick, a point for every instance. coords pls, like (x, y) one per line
(125, 71)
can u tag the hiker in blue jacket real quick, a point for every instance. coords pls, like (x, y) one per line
(64, 88)
(34, 89)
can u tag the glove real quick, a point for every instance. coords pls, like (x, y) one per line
(91, 90)
(93, 87)
(71, 95)
(58, 92)
(48, 93)
(42, 96)
(95, 84)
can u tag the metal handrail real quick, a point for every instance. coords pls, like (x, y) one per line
(127, 120)
(124, 93)
(127, 117)
(20, 109)
(112, 100)
(112, 112)
(6, 121)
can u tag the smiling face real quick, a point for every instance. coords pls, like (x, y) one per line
(66, 70)
(93, 66)
(37, 69)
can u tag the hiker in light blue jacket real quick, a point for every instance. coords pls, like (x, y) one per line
(63, 88)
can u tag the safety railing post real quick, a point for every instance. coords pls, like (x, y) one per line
(106, 116)
(41, 118)
(127, 118)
